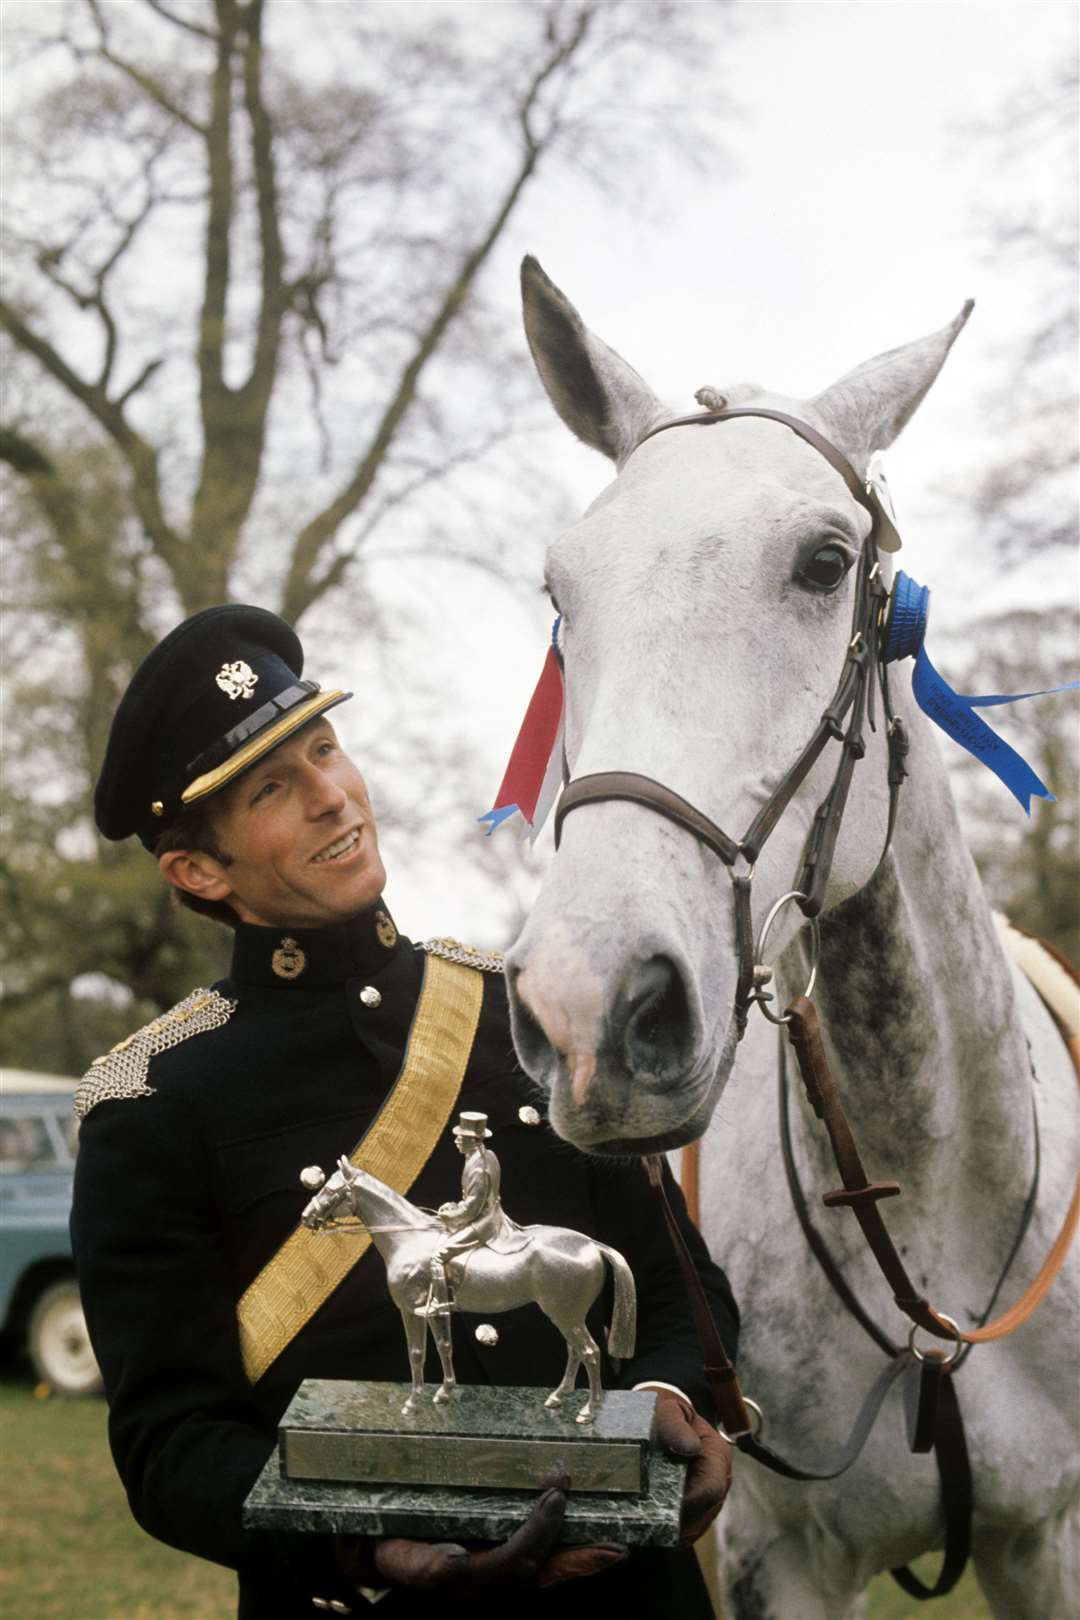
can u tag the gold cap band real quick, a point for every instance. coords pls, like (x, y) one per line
(260, 745)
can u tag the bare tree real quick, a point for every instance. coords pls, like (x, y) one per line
(249, 349)
(344, 223)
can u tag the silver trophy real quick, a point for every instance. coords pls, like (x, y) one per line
(470, 1256)
(377, 1458)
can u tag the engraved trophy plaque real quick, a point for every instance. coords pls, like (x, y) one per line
(465, 1461)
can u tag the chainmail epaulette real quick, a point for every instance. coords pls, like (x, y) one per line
(452, 950)
(122, 1071)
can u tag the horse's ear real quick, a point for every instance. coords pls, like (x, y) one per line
(598, 396)
(867, 408)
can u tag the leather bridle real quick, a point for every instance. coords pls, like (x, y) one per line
(852, 701)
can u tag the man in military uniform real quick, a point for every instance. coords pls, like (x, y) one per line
(331, 1033)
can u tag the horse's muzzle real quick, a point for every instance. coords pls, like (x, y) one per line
(623, 1065)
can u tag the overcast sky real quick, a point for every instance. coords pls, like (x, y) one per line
(844, 224)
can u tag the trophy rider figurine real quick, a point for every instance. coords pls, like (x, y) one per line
(479, 1216)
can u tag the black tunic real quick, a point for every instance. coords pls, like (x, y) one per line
(182, 1196)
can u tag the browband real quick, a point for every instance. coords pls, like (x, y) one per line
(820, 443)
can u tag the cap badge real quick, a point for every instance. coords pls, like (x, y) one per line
(385, 932)
(237, 679)
(288, 961)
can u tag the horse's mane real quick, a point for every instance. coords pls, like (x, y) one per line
(409, 1214)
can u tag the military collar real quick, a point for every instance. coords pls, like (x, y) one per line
(315, 958)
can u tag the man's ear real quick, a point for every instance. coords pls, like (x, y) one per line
(195, 873)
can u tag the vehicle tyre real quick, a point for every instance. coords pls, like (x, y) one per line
(59, 1343)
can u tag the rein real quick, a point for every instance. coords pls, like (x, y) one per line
(934, 1420)
(355, 1223)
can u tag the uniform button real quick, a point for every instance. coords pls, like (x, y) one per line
(528, 1115)
(370, 996)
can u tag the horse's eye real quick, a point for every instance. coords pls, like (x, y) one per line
(824, 570)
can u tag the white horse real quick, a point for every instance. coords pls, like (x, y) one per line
(559, 1270)
(706, 601)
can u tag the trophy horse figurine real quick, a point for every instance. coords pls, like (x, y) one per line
(470, 1256)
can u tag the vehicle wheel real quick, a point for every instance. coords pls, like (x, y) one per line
(59, 1343)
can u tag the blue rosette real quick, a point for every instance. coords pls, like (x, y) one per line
(952, 711)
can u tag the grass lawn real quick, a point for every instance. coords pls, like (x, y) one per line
(72, 1549)
(73, 1552)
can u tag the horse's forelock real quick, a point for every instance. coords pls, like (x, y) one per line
(711, 398)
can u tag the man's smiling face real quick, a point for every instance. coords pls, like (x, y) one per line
(301, 834)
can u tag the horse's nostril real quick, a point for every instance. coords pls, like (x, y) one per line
(656, 1021)
(530, 1039)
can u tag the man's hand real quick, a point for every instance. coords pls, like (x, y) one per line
(529, 1557)
(708, 1478)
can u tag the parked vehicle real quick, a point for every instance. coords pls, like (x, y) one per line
(39, 1297)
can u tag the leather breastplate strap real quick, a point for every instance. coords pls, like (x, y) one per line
(863, 1196)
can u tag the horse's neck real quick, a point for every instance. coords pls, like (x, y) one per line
(918, 1008)
(386, 1212)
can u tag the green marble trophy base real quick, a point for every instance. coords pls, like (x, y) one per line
(349, 1463)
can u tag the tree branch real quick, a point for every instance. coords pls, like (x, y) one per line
(140, 381)
(149, 86)
(140, 456)
(335, 572)
(303, 587)
(181, 22)
(49, 262)
(22, 455)
(558, 59)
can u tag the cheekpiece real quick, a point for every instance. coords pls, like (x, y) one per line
(121, 1073)
(452, 950)
(220, 691)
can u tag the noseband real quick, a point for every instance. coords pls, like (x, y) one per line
(852, 702)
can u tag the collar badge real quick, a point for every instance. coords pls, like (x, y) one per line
(237, 679)
(288, 961)
(385, 932)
